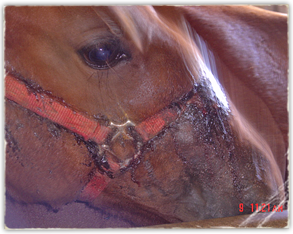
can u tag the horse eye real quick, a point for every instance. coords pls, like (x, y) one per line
(99, 54)
(103, 55)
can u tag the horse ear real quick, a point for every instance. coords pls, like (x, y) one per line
(253, 45)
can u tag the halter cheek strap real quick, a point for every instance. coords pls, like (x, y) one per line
(85, 126)
(46, 107)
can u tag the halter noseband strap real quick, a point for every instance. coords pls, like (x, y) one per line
(85, 126)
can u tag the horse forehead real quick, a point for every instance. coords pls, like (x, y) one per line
(55, 20)
(74, 24)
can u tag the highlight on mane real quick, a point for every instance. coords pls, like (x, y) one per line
(143, 24)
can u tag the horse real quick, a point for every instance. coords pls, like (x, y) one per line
(133, 116)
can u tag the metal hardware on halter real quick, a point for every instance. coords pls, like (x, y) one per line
(126, 130)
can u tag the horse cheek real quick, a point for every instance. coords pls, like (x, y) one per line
(44, 163)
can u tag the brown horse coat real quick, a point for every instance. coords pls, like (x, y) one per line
(203, 165)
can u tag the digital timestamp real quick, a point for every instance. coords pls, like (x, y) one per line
(262, 207)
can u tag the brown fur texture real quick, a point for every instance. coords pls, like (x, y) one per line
(201, 166)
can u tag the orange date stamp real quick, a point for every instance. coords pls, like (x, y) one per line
(262, 207)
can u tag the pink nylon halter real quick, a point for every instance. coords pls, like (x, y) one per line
(85, 126)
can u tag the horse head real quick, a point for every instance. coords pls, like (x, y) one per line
(153, 114)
